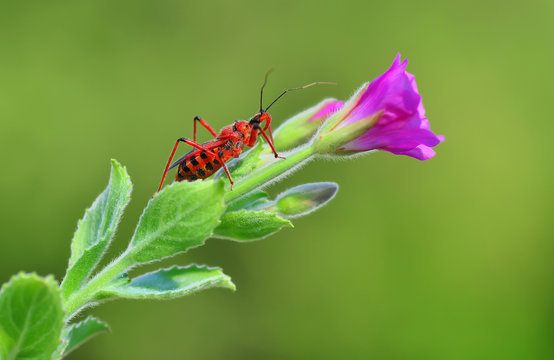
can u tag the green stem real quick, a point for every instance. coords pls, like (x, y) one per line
(81, 297)
(268, 173)
(86, 294)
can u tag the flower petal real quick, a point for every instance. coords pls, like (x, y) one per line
(421, 152)
(392, 91)
(398, 139)
(328, 109)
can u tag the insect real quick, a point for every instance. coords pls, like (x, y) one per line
(205, 159)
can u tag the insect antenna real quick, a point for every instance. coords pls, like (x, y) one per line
(262, 89)
(298, 88)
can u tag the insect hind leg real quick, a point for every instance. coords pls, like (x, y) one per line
(188, 142)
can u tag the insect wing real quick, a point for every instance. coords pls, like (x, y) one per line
(209, 145)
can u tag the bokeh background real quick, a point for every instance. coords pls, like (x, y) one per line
(445, 259)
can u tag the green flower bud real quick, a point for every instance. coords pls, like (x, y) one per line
(301, 127)
(331, 139)
(303, 199)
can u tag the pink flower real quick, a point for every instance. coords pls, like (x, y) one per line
(402, 128)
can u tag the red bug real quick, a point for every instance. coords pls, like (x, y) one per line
(205, 159)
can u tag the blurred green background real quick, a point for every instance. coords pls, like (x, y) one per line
(444, 259)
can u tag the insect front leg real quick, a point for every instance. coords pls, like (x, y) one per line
(204, 124)
(259, 128)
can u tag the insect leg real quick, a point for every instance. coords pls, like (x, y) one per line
(219, 143)
(258, 127)
(204, 124)
(186, 141)
(270, 135)
(226, 171)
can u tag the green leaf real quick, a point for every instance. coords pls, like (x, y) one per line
(244, 165)
(31, 317)
(248, 201)
(96, 229)
(169, 283)
(75, 335)
(180, 217)
(247, 225)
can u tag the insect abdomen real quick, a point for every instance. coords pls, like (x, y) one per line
(197, 165)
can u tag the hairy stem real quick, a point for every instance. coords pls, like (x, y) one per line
(83, 296)
(268, 173)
